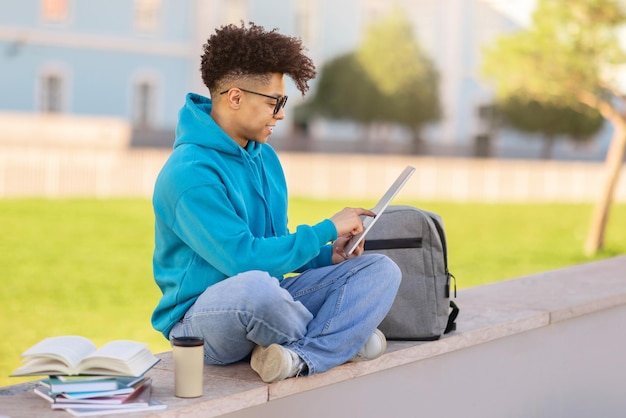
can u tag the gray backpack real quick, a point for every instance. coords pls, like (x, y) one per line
(416, 241)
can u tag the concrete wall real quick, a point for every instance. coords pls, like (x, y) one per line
(549, 345)
(117, 172)
(566, 370)
(58, 132)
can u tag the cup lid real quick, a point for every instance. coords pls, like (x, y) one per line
(187, 341)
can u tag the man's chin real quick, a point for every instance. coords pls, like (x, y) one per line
(261, 140)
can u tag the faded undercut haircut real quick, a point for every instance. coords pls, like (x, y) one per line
(236, 52)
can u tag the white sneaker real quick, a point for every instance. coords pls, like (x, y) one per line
(275, 362)
(375, 347)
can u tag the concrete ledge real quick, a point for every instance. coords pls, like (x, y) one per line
(489, 313)
(54, 131)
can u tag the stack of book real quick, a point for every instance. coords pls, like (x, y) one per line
(98, 395)
(84, 380)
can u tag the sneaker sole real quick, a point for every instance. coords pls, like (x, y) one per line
(383, 340)
(372, 356)
(268, 363)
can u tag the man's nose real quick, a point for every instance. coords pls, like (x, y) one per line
(280, 115)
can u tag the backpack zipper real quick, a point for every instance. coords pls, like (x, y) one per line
(393, 243)
(444, 245)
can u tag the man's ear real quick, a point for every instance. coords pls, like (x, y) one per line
(234, 98)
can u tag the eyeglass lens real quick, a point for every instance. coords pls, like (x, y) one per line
(280, 103)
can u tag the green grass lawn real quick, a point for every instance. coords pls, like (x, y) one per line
(84, 266)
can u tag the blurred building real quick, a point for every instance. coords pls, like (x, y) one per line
(136, 59)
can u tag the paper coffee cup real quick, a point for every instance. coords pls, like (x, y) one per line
(188, 353)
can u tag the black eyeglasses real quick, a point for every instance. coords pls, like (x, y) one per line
(281, 101)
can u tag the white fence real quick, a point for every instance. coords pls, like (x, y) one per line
(37, 172)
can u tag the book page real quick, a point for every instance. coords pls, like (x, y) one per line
(69, 349)
(121, 349)
(154, 405)
(140, 398)
(122, 357)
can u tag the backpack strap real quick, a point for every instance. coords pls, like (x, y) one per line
(452, 318)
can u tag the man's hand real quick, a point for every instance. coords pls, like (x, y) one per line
(348, 221)
(339, 249)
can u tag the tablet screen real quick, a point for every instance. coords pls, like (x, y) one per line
(368, 222)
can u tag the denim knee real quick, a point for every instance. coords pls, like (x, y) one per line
(392, 271)
(386, 268)
(259, 292)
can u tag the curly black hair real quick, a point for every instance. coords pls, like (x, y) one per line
(236, 51)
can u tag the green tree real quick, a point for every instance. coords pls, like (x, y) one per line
(404, 75)
(568, 57)
(550, 121)
(345, 92)
(388, 80)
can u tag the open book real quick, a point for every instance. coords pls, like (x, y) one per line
(74, 355)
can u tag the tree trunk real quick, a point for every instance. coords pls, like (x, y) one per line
(613, 164)
(417, 144)
(548, 146)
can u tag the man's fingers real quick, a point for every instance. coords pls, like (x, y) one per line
(363, 211)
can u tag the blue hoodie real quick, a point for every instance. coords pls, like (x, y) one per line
(221, 210)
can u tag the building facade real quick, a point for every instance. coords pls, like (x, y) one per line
(136, 59)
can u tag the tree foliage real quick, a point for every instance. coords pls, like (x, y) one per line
(345, 92)
(388, 79)
(568, 58)
(566, 52)
(390, 56)
(550, 120)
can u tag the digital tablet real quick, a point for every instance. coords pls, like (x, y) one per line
(369, 221)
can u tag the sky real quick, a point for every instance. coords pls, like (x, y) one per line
(519, 10)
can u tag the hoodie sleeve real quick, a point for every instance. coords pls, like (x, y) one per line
(324, 258)
(216, 232)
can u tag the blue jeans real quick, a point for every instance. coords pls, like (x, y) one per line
(325, 315)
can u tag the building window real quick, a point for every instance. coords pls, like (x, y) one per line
(52, 93)
(147, 15)
(55, 10)
(144, 99)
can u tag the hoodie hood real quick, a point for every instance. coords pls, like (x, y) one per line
(195, 126)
